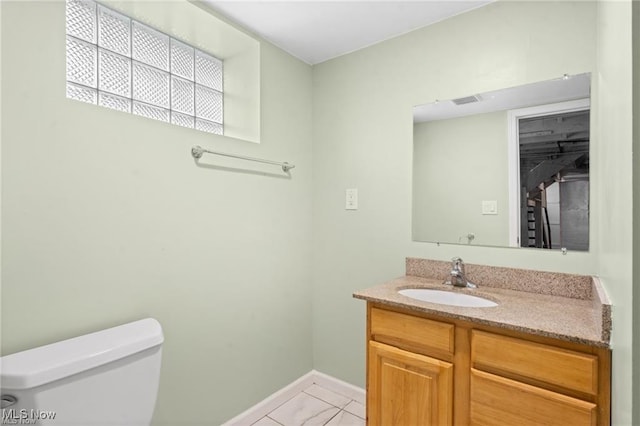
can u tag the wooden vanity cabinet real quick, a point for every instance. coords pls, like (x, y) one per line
(427, 370)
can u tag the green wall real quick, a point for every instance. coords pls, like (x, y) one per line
(363, 139)
(107, 219)
(464, 161)
(613, 117)
(636, 206)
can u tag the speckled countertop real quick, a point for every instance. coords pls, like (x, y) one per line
(582, 316)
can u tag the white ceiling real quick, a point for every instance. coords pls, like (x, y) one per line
(315, 31)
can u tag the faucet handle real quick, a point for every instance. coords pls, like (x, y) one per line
(456, 262)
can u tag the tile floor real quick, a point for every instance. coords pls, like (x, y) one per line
(316, 406)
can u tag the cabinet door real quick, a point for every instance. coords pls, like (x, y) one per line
(405, 388)
(497, 401)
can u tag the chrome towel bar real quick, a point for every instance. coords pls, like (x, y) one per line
(197, 152)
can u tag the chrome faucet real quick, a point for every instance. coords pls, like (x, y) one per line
(457, 277)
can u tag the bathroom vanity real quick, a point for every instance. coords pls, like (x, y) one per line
(538, 357)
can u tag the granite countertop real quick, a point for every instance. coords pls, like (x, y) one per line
(585, 319)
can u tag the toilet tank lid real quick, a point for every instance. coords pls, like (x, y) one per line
(44, 364)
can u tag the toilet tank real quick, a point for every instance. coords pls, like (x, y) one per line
(105, 378)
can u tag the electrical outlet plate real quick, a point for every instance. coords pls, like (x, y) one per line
(490, 207)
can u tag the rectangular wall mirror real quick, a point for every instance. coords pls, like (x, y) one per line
(507, 168)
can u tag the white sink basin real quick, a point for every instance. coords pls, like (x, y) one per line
(447, 298)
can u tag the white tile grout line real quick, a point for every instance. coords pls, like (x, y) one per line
(339, 386)
(274, 420)
(273, 401)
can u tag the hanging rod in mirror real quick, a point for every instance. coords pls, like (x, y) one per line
(197, 152)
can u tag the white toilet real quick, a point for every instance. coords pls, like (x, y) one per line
(109, 377)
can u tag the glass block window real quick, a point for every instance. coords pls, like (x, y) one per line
(120, 63)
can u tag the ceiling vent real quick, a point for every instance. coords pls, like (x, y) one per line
(467, 100)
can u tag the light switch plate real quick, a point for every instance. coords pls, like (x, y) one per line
(490, 207)
(351, 199)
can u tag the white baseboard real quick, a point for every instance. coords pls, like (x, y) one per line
(278, 398)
